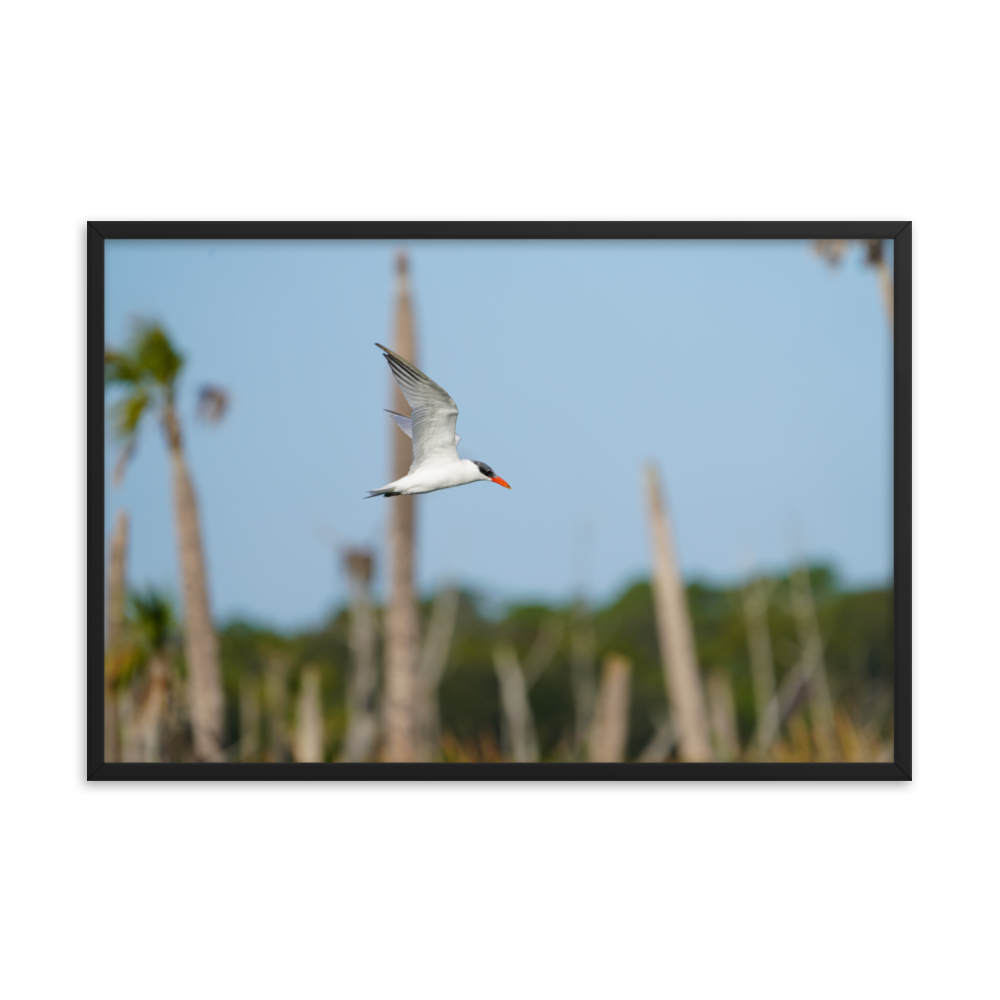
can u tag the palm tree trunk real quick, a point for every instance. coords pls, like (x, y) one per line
(200, 641)
(129, 703)
(680, 665)
(402, 627)
(609, 734)
(151, 718)
(115, 636)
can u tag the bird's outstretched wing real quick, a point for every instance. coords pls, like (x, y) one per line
(434, 412)
(406, 424)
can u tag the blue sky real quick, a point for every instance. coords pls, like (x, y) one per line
(756, 377)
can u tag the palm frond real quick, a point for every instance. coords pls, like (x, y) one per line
(155, 356)
(128, 412)
(119, 368)
(152, 619)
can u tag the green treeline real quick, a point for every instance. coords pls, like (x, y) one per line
(262, 668)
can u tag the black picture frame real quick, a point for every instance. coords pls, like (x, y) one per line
(901, 766)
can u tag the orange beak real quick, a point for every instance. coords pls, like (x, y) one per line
(498, 480)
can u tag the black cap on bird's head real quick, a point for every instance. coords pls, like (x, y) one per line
(489, 473)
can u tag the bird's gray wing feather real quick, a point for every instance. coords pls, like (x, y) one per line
(406, 424)
(432, 426)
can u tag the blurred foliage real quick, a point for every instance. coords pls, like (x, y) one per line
(152, 619)
(151, 627)
(856, 627)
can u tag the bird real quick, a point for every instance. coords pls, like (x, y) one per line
(436, 465)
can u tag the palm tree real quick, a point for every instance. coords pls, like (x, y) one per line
(147, 370)
(152, 630)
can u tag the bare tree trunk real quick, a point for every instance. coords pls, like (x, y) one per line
(519, 728)
(755, 600)
(200, 642)
(680, 665)
(249, 717)
(722, 711)
(362, 713)
(876, 258)
(276, 683)
(433, 660)
(814, 669)
(609, 735)
(582, 675)
(309, 719)
(402, 627)
(115, 637)
(517, 724)
(833, 250)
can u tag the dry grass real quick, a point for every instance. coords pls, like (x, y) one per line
(854, 743)
(483, 749)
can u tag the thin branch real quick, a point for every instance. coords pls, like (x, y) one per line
(543, 650)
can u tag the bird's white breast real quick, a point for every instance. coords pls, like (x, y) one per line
(432, 476)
